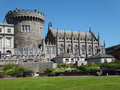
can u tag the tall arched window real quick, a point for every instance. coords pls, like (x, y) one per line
(53, 50)
(96, 48)
(69, 50)
(48, 51)
(76, 51)
(83, 49)
(90, 49)
(61, 49)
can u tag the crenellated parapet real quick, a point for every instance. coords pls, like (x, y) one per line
(21, 15)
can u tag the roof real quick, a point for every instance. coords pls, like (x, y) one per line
(100, 56)
(69, 34)
(9, 25)
(116, 47)
(64, 55)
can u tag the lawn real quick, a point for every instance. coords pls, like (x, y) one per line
(61, 83)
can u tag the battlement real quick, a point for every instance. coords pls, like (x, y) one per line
(32, 15)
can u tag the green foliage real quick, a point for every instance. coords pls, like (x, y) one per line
(28, 72)
(90, 67)
(110, 66)
(63, 65)
(21, 70)
(49, 70)
(11, 72)
(82, 68)
(10, 66)
(12, 69)
(59, 70)
(2, 72)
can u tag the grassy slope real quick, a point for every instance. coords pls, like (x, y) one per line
(61, 83)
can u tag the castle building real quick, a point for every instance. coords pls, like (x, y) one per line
(100, 57)
(83, 44)
(7, 38)
(23, 38)
(28, 27)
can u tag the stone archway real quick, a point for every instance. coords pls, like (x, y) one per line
(8, 52)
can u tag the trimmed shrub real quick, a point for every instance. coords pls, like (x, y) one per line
(11, 72)
(2, 73)
(20, 70)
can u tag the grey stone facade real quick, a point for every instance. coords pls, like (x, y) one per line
(31, 62)
(7, 38)
(83, 44)
(27, 51)
(28, 26)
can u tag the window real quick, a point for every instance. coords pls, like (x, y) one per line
(53, 50)
(67, 60)
(61, 49)
(76, 50)
(28, 27)
(47, 59)
(90, 49)
(0, 29)
(25, 61)
(47, 50)
(72, 60)
(105, 60)
(41, 28)
(25, 28)
(9, 30)
(0, 41)
(8, 42)
(96, 49)
(83, 49)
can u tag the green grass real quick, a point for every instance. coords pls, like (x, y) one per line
(61, 83)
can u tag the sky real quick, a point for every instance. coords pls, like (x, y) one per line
(103, 16)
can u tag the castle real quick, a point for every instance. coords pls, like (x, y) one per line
(29, 43)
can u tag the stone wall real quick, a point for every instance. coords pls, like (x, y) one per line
(34, 63)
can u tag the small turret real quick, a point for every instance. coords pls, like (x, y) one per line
(90, 30)
(104, 43)
(98, 39)
(50, 26)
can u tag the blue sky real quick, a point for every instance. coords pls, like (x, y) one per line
(102, 16)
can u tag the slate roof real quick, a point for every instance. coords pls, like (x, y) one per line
(64, 55)
(116, 47)
(69, 34)
(97, 56)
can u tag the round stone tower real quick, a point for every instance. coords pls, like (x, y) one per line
(28, 26)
